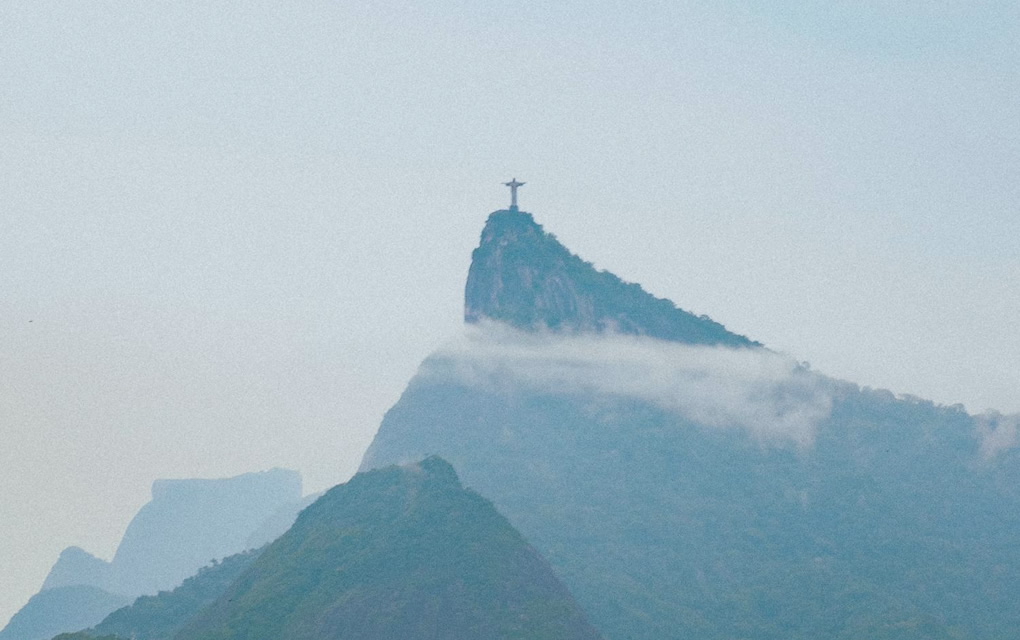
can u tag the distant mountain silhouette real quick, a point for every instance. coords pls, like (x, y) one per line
(59, 609)
(190, 522)
(659, 476)
(187, 524)
(75, 566)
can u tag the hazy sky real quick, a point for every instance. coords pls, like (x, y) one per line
(230, 231)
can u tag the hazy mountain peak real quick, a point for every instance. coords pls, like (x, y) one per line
(192, 520)
(617, 457)
(525, 277)
(187, 522)
(276, 479)
(75, 566)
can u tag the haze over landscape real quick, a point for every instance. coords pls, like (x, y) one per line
(231, 233)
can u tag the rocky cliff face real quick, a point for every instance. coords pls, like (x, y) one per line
(523, 276)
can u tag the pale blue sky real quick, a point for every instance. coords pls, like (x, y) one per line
(230, 231)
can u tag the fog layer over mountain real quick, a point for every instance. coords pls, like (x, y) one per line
(696, 484)
(768, 394)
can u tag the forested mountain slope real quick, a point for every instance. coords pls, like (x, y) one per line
(686, 482)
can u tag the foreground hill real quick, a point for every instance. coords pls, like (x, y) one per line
(685, 482)
(402, 552)
(161, 616)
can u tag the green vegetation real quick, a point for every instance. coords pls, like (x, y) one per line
(396, 553)
(161, 616)
(890, 523)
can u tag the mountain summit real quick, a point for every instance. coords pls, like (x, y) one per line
(687, 491)
(401, 552)
(521, 275)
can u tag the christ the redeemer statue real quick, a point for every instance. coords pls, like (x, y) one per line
(513, 184)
